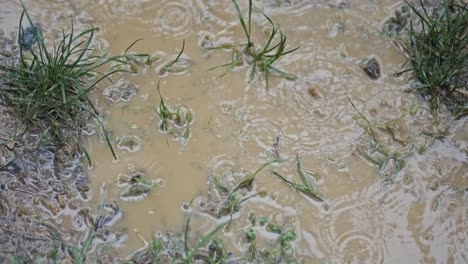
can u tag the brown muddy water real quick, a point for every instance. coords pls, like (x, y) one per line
(417, 213)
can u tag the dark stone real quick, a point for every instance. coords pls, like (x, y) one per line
(344, 5)
(372, 68)
(29, 37)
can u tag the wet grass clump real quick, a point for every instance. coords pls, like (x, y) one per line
(49, 86)
(381, 146)
(95, 240)
(209, 248)
(283, 251)
(175, 249)
(233, 196)
(438, 53)
(176, 122)
(260, 59)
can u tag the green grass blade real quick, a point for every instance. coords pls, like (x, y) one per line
(104, 130)
(203, 242)
(250, 179)
(88, 158)
(186, 238)
(302, 188)
(178, 56)
(241, 19)
(303, 177)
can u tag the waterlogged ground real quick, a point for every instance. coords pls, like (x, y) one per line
(409, 208)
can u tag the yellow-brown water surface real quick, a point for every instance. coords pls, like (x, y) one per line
(415, 214)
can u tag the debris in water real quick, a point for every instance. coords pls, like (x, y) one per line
(371, 68)
(129, 143)
(313, 91)
(29, 36)
(137, 185)
(135, 192)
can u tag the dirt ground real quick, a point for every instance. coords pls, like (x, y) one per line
(38, 184)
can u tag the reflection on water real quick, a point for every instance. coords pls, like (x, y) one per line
(419, 216)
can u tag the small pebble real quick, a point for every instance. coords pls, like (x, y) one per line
(372, 68)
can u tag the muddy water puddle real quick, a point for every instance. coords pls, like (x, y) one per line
(409, 209)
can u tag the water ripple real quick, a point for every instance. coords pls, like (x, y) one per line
(353, 228)
(175, 18)
(438, 180)
(224, 168)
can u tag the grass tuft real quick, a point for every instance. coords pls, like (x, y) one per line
(389, 158)
(176, 122)
(260, 59)
(50, 87)
(232, 196)
(179, 249)
(438, 53)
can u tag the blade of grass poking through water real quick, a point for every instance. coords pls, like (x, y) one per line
(263, 58)
(171, 66)
(189, 254)
(186, 237)
(247, 182)
(266, 59)
(306, 187)
(178, 56)
(303, 177)
(232, 202)
(188, 119)
(49, 87)
(80, 256)
(229, 66)
(379, 153)
(374, 142)
(173, 121)
(163, 112)
(247, 30)
(80, 251)
(85, 151)
(105, 132)
(363, 117)
(301, 187)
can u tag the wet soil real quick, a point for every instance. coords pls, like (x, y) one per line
(38, 184)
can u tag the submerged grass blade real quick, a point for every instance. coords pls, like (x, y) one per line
(191, 252)
(249, 180)
(363, 117)
(104, 131)
(175, 122)
(303, 188)
(303, 177)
